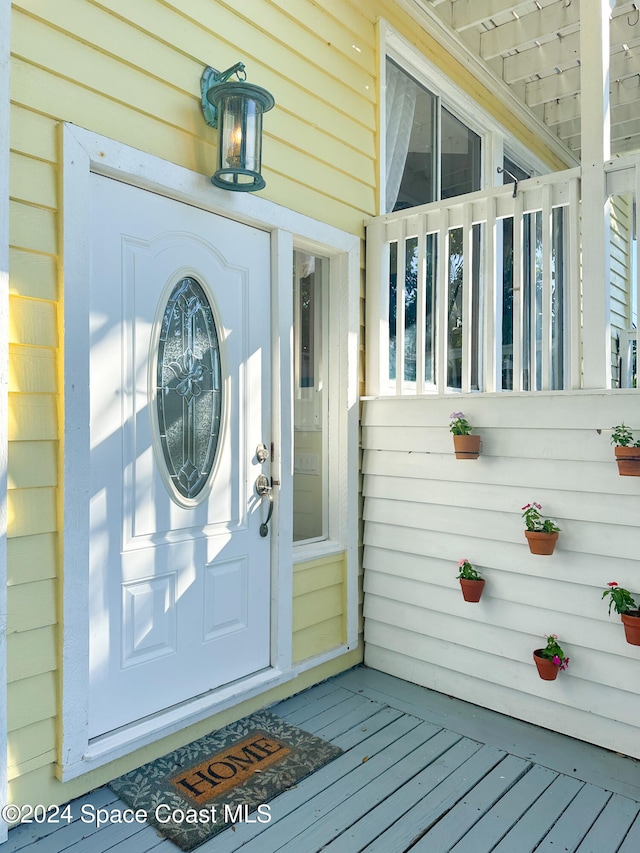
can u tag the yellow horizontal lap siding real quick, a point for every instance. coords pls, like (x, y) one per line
(31, 653)
(324, 636)
(141, 84)
(31, 606)
(32, 370)
(32, 464)
(32, 181)
(319, 575)
(31, 511)
(43, 91)
(71, 59)
(32, 228)
(267, 34)
(33, 134)
(349, 33)
(31, 558)
(32, 321)
(349, 15)
(30, 747)
(33, 275)
(341, 154)
(321, 177)
(31, 700)
(32, 417)
(319, 608)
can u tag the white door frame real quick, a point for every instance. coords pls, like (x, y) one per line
(5, 105)
(85, 152)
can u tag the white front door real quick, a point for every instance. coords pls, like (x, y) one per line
(180, 390)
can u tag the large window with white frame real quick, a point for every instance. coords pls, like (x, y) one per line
(431, 153)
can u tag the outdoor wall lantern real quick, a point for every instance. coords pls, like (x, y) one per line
(235, 108)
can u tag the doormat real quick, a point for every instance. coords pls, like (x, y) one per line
(224, 778)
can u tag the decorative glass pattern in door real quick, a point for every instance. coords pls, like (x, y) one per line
(188, 391)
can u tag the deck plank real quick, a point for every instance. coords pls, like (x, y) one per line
(334, 822)
(631, 844)
(536, 823)
(506, 812)
(302, 715)
(575, 821)
(336, 713)
(359, 715)
(611, 827)
(465, 814)
(374, 822)
(425, 813)
(302, 699)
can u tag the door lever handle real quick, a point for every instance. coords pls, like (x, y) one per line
(265, 491)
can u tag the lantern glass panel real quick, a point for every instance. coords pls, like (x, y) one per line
(240, 139)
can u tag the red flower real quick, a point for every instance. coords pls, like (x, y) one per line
(613, 583)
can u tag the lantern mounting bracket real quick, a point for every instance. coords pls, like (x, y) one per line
(210, 78)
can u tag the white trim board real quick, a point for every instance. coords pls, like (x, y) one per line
(5, 52)
(85, 152)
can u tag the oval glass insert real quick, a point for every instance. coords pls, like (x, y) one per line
(188, 388)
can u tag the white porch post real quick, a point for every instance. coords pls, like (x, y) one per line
(596, 150)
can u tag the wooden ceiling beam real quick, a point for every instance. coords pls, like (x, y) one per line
(517, 35)
(557, 20)
(568, 83)
(553, 87)
(472, 13)
(543, 58)
(564, 109)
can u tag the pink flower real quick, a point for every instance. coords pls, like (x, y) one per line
(462, 562)
(528, 506)
(557, 661)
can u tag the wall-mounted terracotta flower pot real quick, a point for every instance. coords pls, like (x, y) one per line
(466, 446)
(471, 590)
(628, 459)
(547, 670)
(631, 622)
(541, 542)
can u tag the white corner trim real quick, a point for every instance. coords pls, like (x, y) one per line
(426, 17)
(5, 53)
(85, 152)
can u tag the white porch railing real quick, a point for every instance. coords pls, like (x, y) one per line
(483, 292)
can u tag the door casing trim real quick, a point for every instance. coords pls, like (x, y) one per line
(85, 152)
(5, 110)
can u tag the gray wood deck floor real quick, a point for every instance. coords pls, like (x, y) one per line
(420, 772)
